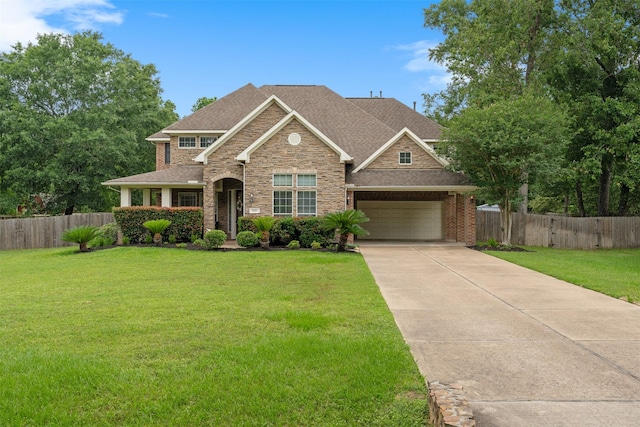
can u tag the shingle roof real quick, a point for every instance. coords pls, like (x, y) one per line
(407, 177)
(398, 116)
(224, 113)
(350, 127)
(178, 175)
(158, 136)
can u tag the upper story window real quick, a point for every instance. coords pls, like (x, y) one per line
(187, 142)
(405, 158)
(306, 180)
(206, 141)
(167, 154)
(282, 180)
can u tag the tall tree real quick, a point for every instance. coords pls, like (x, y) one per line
(495, 145)
(597, 74)
(75, 112)
(203, 101)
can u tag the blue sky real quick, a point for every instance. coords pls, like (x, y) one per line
(210, 48)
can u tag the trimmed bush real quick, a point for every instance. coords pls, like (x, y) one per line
(214, 238)
(294, 244)
(311, 229)
(283, 231)
(247, 239)
(185, 222)
(246, 224)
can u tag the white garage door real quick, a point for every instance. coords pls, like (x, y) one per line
(403, 220)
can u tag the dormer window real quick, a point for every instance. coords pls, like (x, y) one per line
(405, 157)
(206, 141)
(187, 142)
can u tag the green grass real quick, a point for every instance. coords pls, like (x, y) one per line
(151, 336)
(614, 272)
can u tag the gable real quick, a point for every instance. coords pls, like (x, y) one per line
(387, 156)
(309, 128)
(255, 123)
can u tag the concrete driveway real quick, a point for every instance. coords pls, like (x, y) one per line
(529, 350)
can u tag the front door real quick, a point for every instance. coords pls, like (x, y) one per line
(235, 211)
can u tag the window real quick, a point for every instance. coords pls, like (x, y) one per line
(206, 141)
(283, 180)
(306, 203)
(306, 180)
(282, 202)
(405, 158)
(187, 142)
(187, 199)
(167, 154)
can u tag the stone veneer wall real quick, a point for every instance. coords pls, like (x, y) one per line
(222, 164)
(420, 159)
(311, 156)
(448, 406)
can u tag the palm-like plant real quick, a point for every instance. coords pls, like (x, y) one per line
(346, 223)
(81, 235)
(264, 224)
(157, 226)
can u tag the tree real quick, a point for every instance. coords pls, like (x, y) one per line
(75, 112)
(597, 75)
(495, 145)
(203, 102)
(493, 49)
(346, 223)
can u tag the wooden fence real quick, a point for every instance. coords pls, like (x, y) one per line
(562, 232)
(44, 232)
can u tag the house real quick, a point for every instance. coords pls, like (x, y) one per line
(305, 150)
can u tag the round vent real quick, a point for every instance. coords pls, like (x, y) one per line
(294, 138)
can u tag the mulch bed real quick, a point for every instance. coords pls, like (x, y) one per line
(500, 248)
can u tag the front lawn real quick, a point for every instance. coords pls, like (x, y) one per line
(151, 336)
(615, 272)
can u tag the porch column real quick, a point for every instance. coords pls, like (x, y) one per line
(125, 197)
(146, 197)
(166, 197)
(209, 206)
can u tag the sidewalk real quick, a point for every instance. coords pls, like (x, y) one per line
(529, 350)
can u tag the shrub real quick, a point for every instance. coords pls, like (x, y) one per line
(80, 235)
(283, 231)
(181, 245)
(125, 240)
(200, 243)
(311, 230)
(214, 238)
(194, 237)
(316, 245)
(345, 223)
(247, 239)
(172, 238)
(264, 224)
(185, 222)
(294, 244)
(157, 226)
(246, 224)
(109, 232)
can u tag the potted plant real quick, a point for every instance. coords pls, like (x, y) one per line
(263, 225)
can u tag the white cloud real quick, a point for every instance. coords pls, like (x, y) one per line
(158, 15)
(22, 20)
(418, 61)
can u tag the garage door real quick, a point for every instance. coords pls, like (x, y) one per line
(403, 220)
